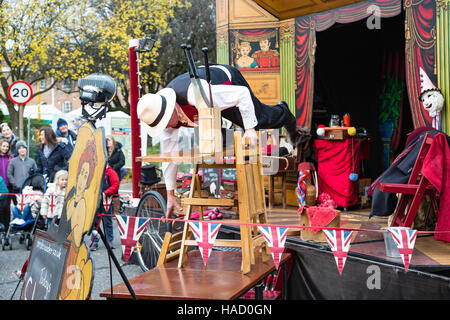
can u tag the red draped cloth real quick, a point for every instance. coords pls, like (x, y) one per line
(436, 168)
(336, 160)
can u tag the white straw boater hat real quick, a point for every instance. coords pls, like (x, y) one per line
(155, 110)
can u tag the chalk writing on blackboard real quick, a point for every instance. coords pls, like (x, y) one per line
(229, 175)
(42, 280)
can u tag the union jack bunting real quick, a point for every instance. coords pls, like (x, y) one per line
(205, 234)
(130, 229)
(339, 242)
(405, 240)
(21, 201)
(275, 238)
(52, 203)
(107, 203)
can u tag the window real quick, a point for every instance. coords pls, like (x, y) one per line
(67, 85)
(43, 84)
(67, 106)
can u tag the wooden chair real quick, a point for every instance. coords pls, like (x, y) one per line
(413, 191)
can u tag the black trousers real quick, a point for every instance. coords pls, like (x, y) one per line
(269, 117)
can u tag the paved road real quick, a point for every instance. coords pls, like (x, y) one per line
(12, 260)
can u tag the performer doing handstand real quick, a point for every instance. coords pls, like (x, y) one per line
(174, 106)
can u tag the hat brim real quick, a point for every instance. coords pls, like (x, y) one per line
(171, 97)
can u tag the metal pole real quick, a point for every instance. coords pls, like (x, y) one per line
(135, 125)
(116, 263)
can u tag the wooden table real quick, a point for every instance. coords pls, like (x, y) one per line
(220, 279)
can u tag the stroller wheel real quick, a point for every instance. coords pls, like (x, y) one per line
(21, 239)
(3, 244)
(29, 243)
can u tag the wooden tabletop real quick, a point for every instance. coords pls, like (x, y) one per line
(188, 155)
(220, 279)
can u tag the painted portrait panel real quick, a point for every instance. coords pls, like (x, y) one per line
(255, 49)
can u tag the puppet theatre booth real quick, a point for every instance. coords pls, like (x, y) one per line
(371, 60)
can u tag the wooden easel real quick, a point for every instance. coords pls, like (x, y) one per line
(251, 208)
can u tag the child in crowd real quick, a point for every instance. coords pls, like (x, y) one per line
(51, 209)
(5, 210)
(28, 205)
(5, 156)
(19, 167)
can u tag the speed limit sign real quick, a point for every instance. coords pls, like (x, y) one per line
(20, 92)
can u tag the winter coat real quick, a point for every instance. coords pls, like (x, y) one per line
(4, 163)
(58, 202)
(71, 138)
(19, 170)
(110, 186)
(3, 189)
(117, 158)
(58, 159)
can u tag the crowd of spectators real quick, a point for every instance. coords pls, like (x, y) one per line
(52, 162)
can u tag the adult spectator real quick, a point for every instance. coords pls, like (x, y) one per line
(116, 158)
(5, 157)
(8, 135)
(52, 155)
(110, 187)
(19, 167)
(63, 131)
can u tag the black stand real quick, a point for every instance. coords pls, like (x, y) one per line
(116, 262)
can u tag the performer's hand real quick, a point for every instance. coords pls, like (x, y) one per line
(251, 133)
(172, 204)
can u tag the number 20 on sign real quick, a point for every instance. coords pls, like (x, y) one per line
(20, 92)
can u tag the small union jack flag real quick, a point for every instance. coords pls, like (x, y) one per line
(275, 238)
(405, 240)
(52, 203)
(107, 203)
(205, 234)
(130, 229)
(21, 201)
(339, 242)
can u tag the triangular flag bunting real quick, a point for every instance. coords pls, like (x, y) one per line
(275, 238)
(21, 202)
(405, 240)
(339, 242)
(52, 203)
(107, 203)
(205, 234)
(130, 229)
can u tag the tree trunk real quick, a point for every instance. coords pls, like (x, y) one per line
(16, 117)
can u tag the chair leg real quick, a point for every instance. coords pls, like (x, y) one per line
(399, 212)
(415, 203)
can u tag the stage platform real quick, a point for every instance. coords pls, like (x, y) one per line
(368, 272)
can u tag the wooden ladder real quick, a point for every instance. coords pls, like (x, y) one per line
(251, 209)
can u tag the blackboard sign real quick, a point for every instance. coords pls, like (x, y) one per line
(42, 280)
(211, 179)
(229, 175)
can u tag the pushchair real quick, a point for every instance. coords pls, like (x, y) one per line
(26, 229)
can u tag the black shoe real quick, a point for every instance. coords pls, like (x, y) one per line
(297, 135)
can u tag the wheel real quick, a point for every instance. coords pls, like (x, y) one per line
(3, 244)
(151, 205)
(29, 242)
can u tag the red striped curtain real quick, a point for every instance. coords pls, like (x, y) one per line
(420, 44)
